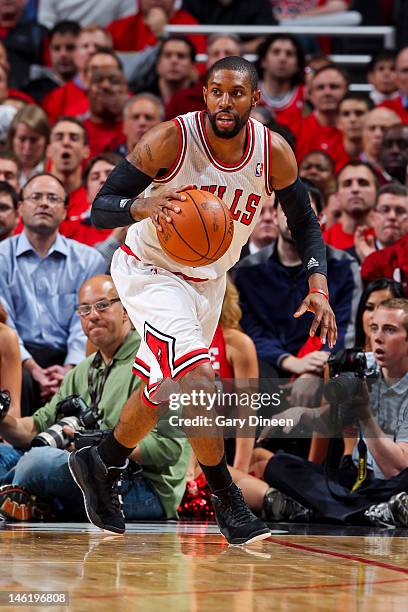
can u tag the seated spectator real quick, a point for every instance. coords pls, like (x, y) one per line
(146, 27)
(62, 44)
(40, 274)
(391, 262)
(10, 364)
(174, 69)
(376, 292)
(389, 219)
(66, 153)
(265, 231)
(398, 104)
(107, 94)
(318, 168)
(272, 284)
(105, 381)
(141, 113)
(72, 98)
(352, 109)
(23, 39)
(191, 98)
(382, 76)
(375, 123)
(86, 12)
(394, 152)
(28, 139)
(8, 210)
(357, 190)
(9, 169)
(319, 130)
(280, 65)
(96, 172)
(233, 12)
(303, 489)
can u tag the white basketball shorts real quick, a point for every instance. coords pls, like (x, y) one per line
(175, 316)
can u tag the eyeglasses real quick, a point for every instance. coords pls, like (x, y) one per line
(38, 197)
(399, 211)
(85, 309)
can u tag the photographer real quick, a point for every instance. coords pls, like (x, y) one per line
(105, 381)
(382, 415)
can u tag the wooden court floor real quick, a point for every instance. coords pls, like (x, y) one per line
(188, 567)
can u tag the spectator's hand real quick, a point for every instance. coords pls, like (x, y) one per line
(157, 20)
(119, 233)
(303, 390)
(323, 316)
(44, 381)
(57, 372)
(364, 245)
(295, 414)
(310, 364)
(69, 432)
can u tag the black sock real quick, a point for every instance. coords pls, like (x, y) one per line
(112, 452)
(217, 476)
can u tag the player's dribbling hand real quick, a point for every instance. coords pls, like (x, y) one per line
(161, 207)
(323, 316)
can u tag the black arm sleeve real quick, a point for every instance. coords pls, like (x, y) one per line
(304, 227)
(111, 207)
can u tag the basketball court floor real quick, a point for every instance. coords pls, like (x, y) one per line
(188, 567)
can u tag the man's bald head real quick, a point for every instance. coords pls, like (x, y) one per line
(375, 123)
(101, 284)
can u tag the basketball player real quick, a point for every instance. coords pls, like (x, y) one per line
(176, 308)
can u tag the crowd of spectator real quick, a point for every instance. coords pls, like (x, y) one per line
(81, 81)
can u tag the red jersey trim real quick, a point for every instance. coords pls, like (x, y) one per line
(249, 149)
(267, 159)
(181, 153)
(128, 251)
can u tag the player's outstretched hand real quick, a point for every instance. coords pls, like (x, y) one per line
(323, 316)
(160, 207)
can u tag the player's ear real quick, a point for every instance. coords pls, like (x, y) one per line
(256, 98)
(205, 93)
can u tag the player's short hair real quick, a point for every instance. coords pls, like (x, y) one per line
(235, 64)
(10, 191)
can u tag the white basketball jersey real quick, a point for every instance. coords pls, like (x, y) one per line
(242, 186)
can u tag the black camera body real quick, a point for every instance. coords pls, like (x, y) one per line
(5, 401)
(72, 412)
(348, 372)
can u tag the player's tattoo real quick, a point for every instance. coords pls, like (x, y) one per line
(149, 152)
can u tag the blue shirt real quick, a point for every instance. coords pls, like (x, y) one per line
(40, 293)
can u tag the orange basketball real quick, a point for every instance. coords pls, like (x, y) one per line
(200, 233)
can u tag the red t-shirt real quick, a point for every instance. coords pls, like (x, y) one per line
(396, 105)
(391, 262)
(74, 226)
(69, 99)
(314, 136)
(104, 136)
(186, 101)
(336, 237)
(132, 34)
(218, 355)
(290, 114)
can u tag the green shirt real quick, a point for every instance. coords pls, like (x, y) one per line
(164, 459)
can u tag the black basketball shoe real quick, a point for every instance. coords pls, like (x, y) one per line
(236, 521)
(99, 486)
(280, 507)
